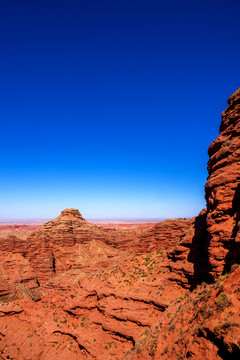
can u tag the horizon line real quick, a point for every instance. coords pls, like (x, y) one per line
(116, 219)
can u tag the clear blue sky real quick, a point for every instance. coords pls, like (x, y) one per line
(110, 106)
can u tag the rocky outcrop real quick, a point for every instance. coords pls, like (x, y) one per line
(13, 244)
(57, 246)
(102, 316)
(130, 311)
(17, 278)
(223, 191)
(164, 234)
(66, 230)
(70, 242)
(202, 324)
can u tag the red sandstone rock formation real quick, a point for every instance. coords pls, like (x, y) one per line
(203, 324)
(102, 316)
(17, 277)
(223, 191)
(70, 242)
(57, 246)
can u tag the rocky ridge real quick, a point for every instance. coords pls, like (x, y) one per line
(223, 191)
(57, 246)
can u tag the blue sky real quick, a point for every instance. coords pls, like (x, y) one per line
(110, 106)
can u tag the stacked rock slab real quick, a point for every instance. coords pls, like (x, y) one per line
(64, 231)
(223, 191)
(56, 246)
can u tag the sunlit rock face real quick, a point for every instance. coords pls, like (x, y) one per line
(223, 191)
(57, 246)
(60, 244)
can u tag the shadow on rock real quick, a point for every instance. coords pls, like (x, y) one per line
(233, 255)
(198, 254)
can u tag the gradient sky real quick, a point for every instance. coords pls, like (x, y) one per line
(110, 106)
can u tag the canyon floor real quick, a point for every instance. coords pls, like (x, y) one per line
(73, 289)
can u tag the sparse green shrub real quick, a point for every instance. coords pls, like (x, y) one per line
(165, 350)
(222, 302)
(179, 298)
(153, 347)
(223, 277)
(151, 313)
(108, 345)
(225, 325)
(138, 348)
(208, 313)
(171, 327)
(235, 266)
(226, 143)
(143, 339)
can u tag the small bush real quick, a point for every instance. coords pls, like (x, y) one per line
(171, 327)
(223, 277)
(222, 302)
(225, 325)
(235, 266)
(207, 314)
(226, 143)
(179, 298)
(138, 348)
(165, 350)
(153, 348)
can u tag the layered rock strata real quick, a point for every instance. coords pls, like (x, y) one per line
(223, 191)
(59, 244)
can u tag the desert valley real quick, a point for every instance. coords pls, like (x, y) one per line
(72, 289)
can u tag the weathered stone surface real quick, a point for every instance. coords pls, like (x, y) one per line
(223, 191)
(203, 324)
(59, 245)
(70, 242)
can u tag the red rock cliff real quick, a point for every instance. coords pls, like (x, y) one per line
(223, 191)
